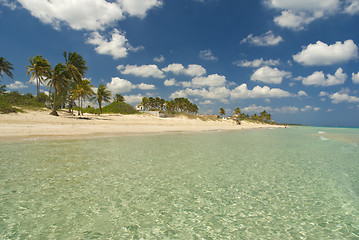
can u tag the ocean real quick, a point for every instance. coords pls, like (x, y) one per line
(294, 183)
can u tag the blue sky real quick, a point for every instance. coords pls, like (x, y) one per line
(296, 59)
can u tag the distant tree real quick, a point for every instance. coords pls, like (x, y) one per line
(145, 103)
(102, 95)
(83, 91)
(40, 70)
(237, 111)
(5, 67)
(57, 81)
(118, 98)
(222, 112)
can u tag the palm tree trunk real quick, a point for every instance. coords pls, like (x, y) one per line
(100, 109)
(78, 112)
(54, 112)
(38, 91)
(82, 113)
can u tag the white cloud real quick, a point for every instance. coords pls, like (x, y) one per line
(138, 8)
(142, 71)
(355, 78)
(170, 82)
(212, 93)
(159, 59)
(296, 20)
(257, 63)
(207, 55)
(302, 94)
(309, 108)
(9, 4)
(352, 7)
(213, 80)
(296, 15)
(269, 75)
(322, 94)
(319, 79)
(322, 54)
(16, 85)
(117, 46)
(94, 14)
(144, 86)
(207, 102)
(118, 85)
(258, 92)
(257, 109)
(343, 97)
(267, 39)
(192, 69)
(133, 99)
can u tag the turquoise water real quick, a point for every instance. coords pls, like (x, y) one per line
(295, 183)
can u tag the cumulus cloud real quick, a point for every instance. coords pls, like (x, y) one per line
(138, 8)
(94, 14)
(117, 46)
(270, 75)
(256, 109)
(207, 102)
(355, 78)
(267, 39)
(144, 86)
(213, 80)
(319, 79)
(302, 94)
(141, 71)
(192, 69)
(296, 20)
(296, 15)
(339, 97)
(322, 54)
(16, 85)
(118, 85)
(133, 99)
(243, 92)
(170, 82)
(322, 94)
(309, 108)
(240, 92)
(159, 59)
(352, 7)
(207, 55)
(257, 63)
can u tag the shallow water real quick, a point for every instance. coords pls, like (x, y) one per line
(258, 184)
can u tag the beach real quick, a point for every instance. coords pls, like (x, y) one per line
(40, 124)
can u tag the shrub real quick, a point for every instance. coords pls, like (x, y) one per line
(119, 107)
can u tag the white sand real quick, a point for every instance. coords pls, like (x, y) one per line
(40, 124)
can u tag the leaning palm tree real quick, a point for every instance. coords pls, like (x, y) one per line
(40, 70)
(75, 66)
(5, 67)
(83, 91)
(57, 81)
(103, 94)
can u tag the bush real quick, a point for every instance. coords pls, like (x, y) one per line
(119, 107)
(5, 106)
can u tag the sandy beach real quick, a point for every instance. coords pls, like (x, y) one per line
(40, 124)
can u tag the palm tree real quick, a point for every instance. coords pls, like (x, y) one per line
(118, 98)
(5, 67)
(57, 82)
(83, 91)
(76, 68)
(237, 111)
(40, 69)
(103, 94)
(222, 112)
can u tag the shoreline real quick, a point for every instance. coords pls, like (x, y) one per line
(35, 125)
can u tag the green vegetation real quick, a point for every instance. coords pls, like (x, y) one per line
(115, 107)
(178, 105)
(103, 94)
(222, 112)
(263, 117)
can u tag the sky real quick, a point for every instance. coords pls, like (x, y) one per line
(298, 60)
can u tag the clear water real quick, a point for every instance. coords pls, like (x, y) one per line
(297, 183)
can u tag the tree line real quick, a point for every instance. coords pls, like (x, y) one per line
(264, 116)
(176, 105)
